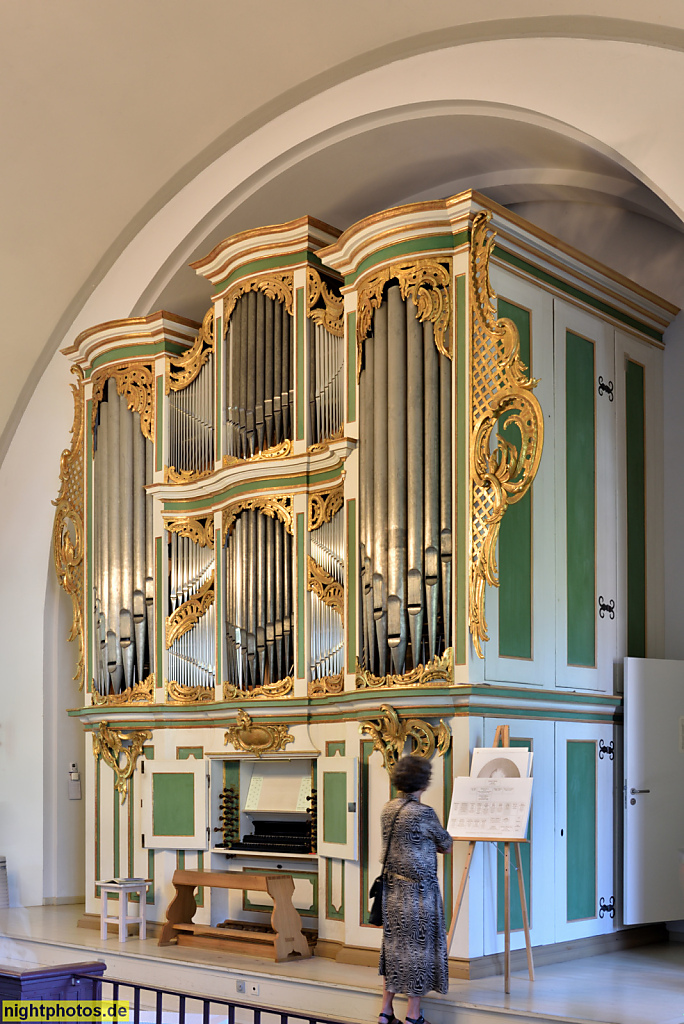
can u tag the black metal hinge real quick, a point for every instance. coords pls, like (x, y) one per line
(607, 908)
(603, 749)
(605, 387)
(603, 608)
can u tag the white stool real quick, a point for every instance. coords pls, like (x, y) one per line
(124, 889)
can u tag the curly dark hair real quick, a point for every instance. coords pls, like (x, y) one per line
(411, 774)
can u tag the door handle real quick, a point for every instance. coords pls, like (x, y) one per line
(640, 790)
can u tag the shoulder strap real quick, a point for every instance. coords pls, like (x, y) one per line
(389, 838)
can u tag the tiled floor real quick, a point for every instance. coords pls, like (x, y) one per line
(638, 986)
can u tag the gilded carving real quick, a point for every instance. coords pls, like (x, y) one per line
(278, 451)
(136, 382)
(439, 670)
(325, 587)
(326, 684)
(390, 735)
(67, 530)
(190, 612)
(426, 282)
(323, 505)
(256, 738)
(280, 688)
(277, 506)
(141, 693)
(177, 693)
(182, 370)
(184, 476)
(111, 744)
(277, 285)
(330, 315)
(201, 531)
(500, 395)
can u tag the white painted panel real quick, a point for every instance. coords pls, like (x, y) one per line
(349, 767)
(654, 768)
(571, 318)
(539, 670)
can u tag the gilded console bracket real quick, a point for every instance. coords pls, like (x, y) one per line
(182, 370)
(256, 738)
(190, 612)
(67, 530)
(438, 671)
(136, 382)
(111, 744)
(390, 735)
(500, 395)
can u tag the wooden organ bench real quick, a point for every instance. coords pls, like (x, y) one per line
(284, 940)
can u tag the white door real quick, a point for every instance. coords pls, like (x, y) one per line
(654, 783)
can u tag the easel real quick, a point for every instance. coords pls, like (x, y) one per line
(502, 735)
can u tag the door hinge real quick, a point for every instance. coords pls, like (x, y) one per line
(605, 387)
(142, 767)
(142, 839)
(603, 749)
(208, 835)
(607, 908)
(603, 608)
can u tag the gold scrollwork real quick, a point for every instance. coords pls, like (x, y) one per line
(255, 738)
(136, 382)
(182, 370)
(439, 670)
(198, 530)
(277, 285)
(141, 693)
(390, 735)
(326, 684)
(190, 612)
(278, 451)
(426, 282)
(323, 505)
(330, 315)
(110, 744)
(280, 688)
(325, 587)
(177, 693)
(67, 530)
(500, 396)
(277, 506)
(184, 476)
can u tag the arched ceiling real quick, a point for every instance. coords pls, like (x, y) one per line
(112, 108)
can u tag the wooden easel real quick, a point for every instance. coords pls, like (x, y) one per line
(502, 735)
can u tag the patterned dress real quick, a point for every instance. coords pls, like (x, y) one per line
(413, 956)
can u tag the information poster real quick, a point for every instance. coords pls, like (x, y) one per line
(494, 808)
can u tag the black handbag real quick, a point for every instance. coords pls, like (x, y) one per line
(375, 893)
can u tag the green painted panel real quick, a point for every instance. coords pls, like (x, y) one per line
(331, 912)
(351, 593)
(173, 804)
(183, 753)
(462, 434)
(515, 533)
(300, 364)
(301, 597)
(351, 367)
(414, 245)
(581, 829)
(516, 906)
(333, 747)
(231, 775)
(636, 509)
(335, 807)
(139, 351)
(580, 446)
(269, 263)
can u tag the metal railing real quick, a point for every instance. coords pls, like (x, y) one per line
(149, 1004)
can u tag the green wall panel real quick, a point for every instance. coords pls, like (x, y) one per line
(173, 804)
(581, 829)
(515, 533)
(636, 510)
(580, 444)
(335, 807)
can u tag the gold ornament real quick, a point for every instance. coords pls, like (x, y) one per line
(199, 531)
(325, 587)
(136, 382)
(390, 735)
(323, 505)
(67, 530)
(277, 451)
(257, 739)
(500, 393)
(190, 612)
(439, 670)
(111, 744)
(184, 476)
(182, 370)
(331, 315)
(141, 693)
(326, 684)
(177, 693)
(278, 285)
(277, 506)
(280, 688)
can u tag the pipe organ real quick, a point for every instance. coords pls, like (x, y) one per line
(299, 539)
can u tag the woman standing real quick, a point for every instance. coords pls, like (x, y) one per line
(413, 956)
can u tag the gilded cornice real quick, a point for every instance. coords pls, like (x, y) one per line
(188, 614)
(182, 370)
(136, 382)
(439, 670)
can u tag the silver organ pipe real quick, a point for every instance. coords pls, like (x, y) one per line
(123, 545)
(326, 383)
(258, 600)
(191, 656)
(327, 630)
(259, 376)
(191, 423)
(405, 491)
